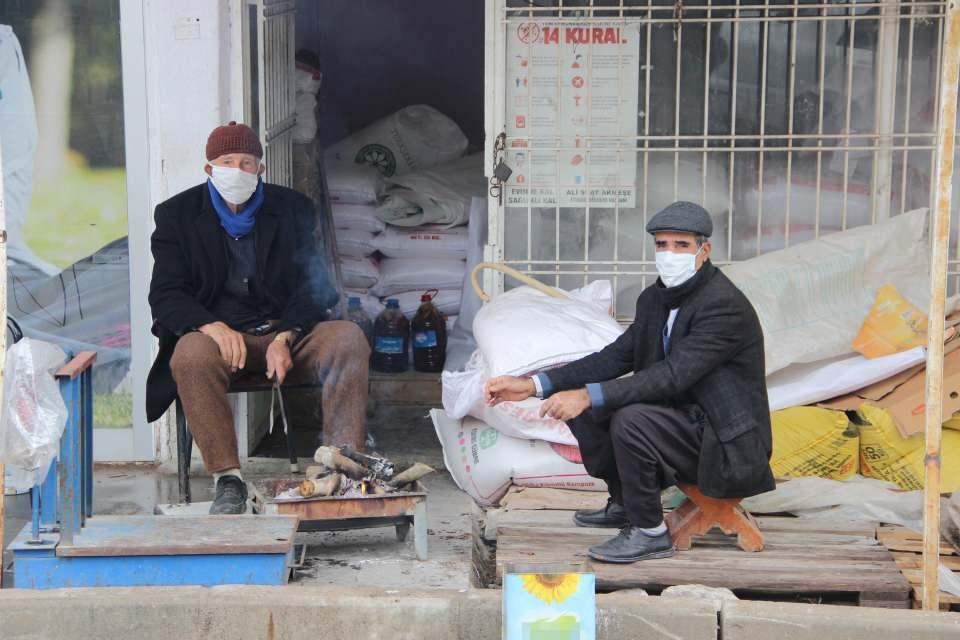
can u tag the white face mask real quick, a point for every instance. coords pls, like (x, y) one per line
(676, 268)
(234, 185)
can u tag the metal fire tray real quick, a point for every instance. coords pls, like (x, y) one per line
(401, 510)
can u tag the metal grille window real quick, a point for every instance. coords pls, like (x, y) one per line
(786, 120)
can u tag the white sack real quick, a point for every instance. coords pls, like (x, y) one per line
(359, 273)
(463, 396)
(523, 330)
(33, 414)
(362, 217)
(460, 342)
(484, 463)
(353, 184)
(858, 498)
(441, 195)
(305, 129)
(411, 274)
(803, 384)
(812, 298)
(428, 241)
(413, 138)
(447, 301)
(355, 243)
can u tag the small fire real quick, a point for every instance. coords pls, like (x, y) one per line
(363, 488)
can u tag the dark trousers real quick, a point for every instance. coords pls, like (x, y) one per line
(639, 450)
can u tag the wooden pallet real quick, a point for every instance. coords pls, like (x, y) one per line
(838, 560)
(906, 546)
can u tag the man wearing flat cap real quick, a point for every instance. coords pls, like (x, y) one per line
(239, 287)
(695, 409)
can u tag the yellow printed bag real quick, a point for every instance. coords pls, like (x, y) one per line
(808, 441)
(887, 455)
(893, 325)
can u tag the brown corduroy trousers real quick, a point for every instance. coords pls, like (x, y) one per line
(334, 354)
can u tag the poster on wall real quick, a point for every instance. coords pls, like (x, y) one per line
(571, 106)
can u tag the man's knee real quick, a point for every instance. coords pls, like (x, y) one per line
(346, 337)
(194, 352)
(628, 421)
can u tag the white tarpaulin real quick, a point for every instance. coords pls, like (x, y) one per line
(802, 384)
(813, 298)
(572, 85)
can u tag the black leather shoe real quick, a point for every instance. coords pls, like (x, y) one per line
(231, 497)
(632, 544)
(612, 516)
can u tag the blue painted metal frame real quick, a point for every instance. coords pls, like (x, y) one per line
(42, 569)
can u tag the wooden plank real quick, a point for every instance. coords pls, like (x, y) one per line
(170, 535)
(80, 363)
(816, 569)
(900, 539)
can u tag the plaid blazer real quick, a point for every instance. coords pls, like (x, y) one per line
(714, 367)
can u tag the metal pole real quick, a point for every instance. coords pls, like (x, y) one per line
(938, 291)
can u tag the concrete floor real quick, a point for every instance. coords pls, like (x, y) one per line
(371, 557)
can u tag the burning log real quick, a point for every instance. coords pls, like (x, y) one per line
(333, 459)
(414, 473)
(325, 486)
(381, 467)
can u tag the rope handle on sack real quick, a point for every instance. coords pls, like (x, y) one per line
(522, 277)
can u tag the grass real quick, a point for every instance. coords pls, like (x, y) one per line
(77, 213)
(112, 410)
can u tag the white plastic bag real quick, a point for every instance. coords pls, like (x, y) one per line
(33, 414)
(353, 184)
(484, 462)
(415, 274)
(413, 138)
(463, 396)
(359, 273)
(524, 330)
(362, 217)
(428, 241)
(355, 243)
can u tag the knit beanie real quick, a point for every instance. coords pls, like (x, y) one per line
(233, 138)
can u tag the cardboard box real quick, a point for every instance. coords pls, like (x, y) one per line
(903, 394)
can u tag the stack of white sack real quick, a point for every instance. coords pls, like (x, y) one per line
(307, 81)
(520, 332)
(353, 193)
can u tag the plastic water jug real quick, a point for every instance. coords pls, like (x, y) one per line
(429, 331)
(391, 335)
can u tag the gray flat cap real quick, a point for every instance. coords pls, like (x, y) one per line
(682, 216)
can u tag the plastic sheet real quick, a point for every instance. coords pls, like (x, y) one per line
(33, 414)
(856, 499)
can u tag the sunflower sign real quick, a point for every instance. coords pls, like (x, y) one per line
(540, 604)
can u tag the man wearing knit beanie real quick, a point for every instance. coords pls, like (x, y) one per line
(239, 289)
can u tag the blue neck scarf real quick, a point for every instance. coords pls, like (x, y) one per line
(240, 223)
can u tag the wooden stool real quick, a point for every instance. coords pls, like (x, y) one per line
(699, 514)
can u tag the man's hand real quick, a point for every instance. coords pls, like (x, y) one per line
(508, 389)
(279, 361)
(566, 405)
(232, 348)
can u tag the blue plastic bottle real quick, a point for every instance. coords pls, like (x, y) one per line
(391, 340)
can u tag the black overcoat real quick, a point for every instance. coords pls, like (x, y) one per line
(714, 367)
(190, 268)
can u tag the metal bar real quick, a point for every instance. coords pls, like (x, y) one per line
(87, 466)
(678, 35)
(821, 70)
(35, 507)
(48, 496)
(763, 121)
(706, 109)
(947, 110)
(906, 112)
(885, 103)
(648, 67)
(793, 35)
(763, 19)
(3, 341)
(733, 128)
(531, 10)
(846, 127)
(69, 491)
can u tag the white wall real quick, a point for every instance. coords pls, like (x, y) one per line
(183, 77)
